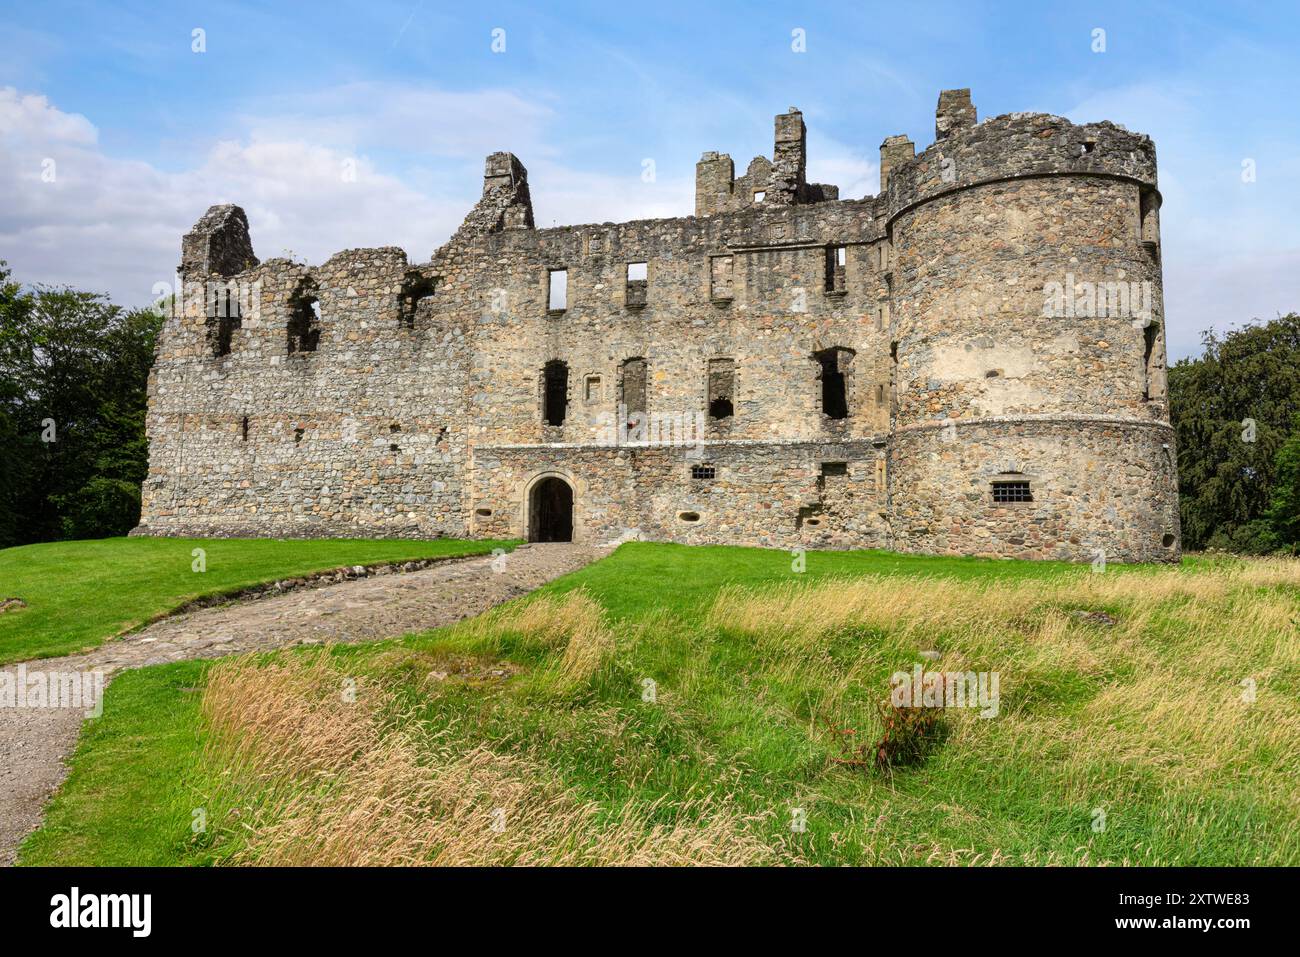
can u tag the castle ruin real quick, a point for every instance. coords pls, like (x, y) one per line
(970, 362)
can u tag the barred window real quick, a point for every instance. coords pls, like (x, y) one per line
(704, 472)
(1005, 493)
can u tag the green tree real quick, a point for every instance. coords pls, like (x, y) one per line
(1232, 409)
(17, 450)
(73, 375)
(1284, 507)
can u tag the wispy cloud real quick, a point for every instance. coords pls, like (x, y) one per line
(114, 225)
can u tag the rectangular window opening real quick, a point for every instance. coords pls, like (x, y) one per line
(304, 324)
(555, 392)
(636, 284)
(634, 386)
(836, 257)
(416, 289)
(704, 472)
(722, 386)
(893, 377)
(835, 394)
(558, 290)
(760, 195)
(591, 389)
(223, 318)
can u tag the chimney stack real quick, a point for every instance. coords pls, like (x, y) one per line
(955, 112)
(895, 151)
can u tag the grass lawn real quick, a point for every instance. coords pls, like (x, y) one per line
(672, 705)
(80, 593)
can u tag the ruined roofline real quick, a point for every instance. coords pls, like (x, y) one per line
(1010, 145)
(778, 181)
(735, 214)
(544, 232)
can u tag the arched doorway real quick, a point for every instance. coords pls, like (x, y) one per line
(550, 511)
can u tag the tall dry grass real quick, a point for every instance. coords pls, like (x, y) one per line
(574, 622)
(1169, 673)
(1114, 687)
(306, 776)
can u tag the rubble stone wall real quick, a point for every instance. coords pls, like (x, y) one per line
(784, 368)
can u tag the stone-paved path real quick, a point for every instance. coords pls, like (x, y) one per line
(35, 742)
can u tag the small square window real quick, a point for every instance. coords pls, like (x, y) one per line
(558, 290)
(636, 272)
(1009, 493)
(704, 472)
(760, 195)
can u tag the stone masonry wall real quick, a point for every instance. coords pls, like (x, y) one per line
(785, 369)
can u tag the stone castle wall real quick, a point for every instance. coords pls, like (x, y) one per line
(784, 368)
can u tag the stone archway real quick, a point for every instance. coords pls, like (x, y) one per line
(550, 510)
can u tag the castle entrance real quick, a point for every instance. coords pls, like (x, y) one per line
(550, 511)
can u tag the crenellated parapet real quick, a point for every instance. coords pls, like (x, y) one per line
(1021, 145)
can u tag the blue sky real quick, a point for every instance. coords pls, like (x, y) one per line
(145, 133)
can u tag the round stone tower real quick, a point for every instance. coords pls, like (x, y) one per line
(1030, 416)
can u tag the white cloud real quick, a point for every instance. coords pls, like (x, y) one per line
(566, 196)
(422, 121)
(1229, 248)
(115, 225)
(855, 172)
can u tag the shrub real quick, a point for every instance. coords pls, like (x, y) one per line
(910, 733)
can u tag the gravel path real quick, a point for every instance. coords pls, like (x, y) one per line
(36, 742)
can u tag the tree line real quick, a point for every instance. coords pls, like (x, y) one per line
(73, 375)
(74, 370)
(1236, 415)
